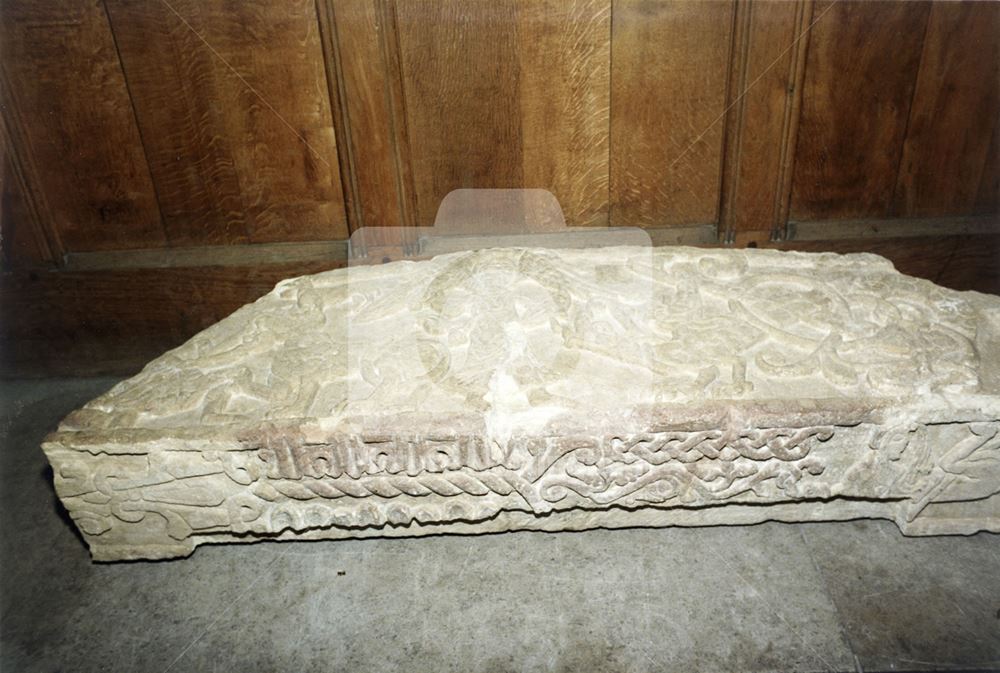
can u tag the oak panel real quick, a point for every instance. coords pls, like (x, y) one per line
(68, 111)
(860, 75)
(988, 196)
(565, 70)
(668, 99)
(22, 239)
(234, 110)
(460, 86)
(511, 95)
(955, 111)
(20, 243)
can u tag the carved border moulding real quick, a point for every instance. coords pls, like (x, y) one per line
(516, 388)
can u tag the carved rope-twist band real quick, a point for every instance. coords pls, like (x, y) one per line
(389, 486)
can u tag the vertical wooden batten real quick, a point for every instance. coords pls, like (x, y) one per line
(805, 22)
(736, 91)
(327, 24)
(762, 113)
(363, 44)
(395, 93)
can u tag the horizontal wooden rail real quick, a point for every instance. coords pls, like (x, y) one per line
(312, 252)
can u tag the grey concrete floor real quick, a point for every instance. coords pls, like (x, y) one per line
(852, 596)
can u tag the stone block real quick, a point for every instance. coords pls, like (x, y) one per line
(520, 388)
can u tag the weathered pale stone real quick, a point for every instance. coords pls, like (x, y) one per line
(552, 390)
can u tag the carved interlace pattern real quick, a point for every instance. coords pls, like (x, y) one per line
(653, 467)
(283, 484)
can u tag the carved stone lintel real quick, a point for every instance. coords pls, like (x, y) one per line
(524, 389)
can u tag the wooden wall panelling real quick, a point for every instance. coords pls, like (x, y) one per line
(955, 110)
(183, 97)
(565, 106)
(988, 196)
(861, 70)
(668, 97)
(366, 44)
(511, 95)
(20, 244)
(234, 109)
(460, 91)
(67, 108)
(22, 239)
(338, 104)
(765, 92)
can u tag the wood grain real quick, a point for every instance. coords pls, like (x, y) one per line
(234, 110)
(327, 26)
(564, 95)
(988, 196)
(460, 86)
(367, 43)
(19, 243)
(956, 106)
(68, 111)
(668, 97)
(770, 40)
(511, 95)
(22, 235)
(861, 70)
